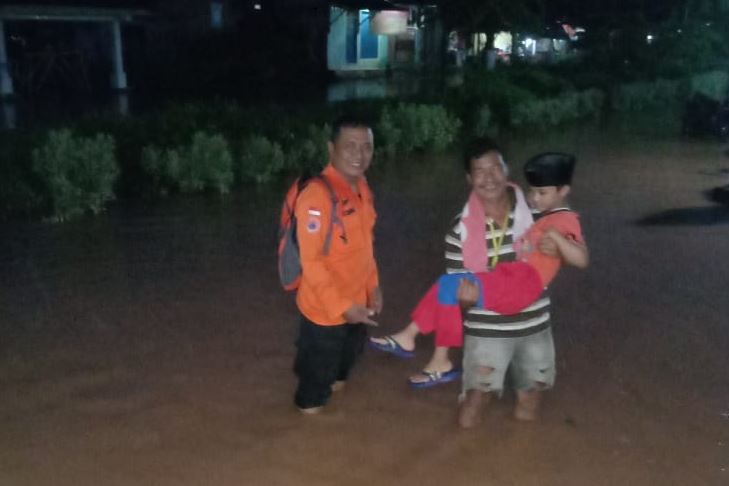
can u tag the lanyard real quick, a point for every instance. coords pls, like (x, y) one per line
(497, 240)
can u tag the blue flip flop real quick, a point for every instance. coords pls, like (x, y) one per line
(436, 378)
(391, 346)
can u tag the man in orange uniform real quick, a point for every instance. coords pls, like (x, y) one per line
(339, 291)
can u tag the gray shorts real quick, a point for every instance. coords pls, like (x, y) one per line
(530, 359)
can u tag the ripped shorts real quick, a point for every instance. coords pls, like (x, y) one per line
(530, 359)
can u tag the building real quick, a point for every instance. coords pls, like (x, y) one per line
(64, 54)
(372, 36)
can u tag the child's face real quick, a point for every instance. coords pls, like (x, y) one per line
(548, 197)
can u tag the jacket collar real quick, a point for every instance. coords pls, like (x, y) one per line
(340, 183)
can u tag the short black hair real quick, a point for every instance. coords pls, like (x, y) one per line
(550, 169)
(476, 148)
(348, 121)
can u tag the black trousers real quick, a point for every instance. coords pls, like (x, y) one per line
(324, 354)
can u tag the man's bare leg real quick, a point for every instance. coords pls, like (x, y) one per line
(470, 412)
(527, 405)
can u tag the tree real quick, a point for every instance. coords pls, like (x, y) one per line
(473, 16)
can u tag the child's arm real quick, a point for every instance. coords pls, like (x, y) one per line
(571, 252)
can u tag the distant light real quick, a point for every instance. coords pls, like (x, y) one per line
(649, 38)
(257, 6)
(679, 31)
(530, 45)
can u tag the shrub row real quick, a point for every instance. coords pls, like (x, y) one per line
(409, 127)
(646, 95)
(205, 164)
(660, 93)
(77, 172)
(210, 146)
(551, 112)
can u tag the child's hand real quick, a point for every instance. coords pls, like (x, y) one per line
(359, 314)
(554, 243)
(553, 233)
(467, 294)
(548, 243)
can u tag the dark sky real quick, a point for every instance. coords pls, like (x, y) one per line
(652, 9)
(573, 9)
(83, 3)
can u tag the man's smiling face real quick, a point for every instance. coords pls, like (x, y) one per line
(488, 177)
(351, 152)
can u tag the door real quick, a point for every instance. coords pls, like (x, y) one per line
(369, 43)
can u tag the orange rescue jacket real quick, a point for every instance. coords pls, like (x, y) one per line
(347, 275)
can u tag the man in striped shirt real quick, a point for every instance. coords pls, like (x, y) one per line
(494, 343)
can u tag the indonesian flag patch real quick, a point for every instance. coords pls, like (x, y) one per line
(313, 224)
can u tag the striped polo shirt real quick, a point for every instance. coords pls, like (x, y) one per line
(484, 323)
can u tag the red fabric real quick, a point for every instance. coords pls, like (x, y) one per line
(444, 320)
(510, 287)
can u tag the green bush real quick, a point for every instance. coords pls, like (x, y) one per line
(78, 172)
(554, 111)
(162, 168)
(307, 152)
(483, 124)
(590, 102)
(543, 113)
(409, 127)
(538, 81)
(260, 160)
(206, 164)
(209, 164)
(481, 87)
(646, 95)
(713, 84)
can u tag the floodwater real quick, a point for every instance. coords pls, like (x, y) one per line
(151, 345)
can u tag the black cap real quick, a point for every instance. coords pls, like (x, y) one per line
(550, 169)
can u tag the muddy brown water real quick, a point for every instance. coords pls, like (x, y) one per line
(151, 345)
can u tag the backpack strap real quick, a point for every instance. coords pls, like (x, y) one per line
(334, 219)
